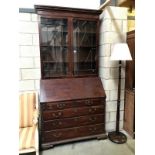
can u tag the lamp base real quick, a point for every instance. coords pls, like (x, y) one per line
(117, 137)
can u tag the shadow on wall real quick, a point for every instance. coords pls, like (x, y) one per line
(121, 36)
(112, 3)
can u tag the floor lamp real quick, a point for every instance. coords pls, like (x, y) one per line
(120, 51)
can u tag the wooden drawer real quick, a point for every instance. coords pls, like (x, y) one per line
(61, 134)
(70, 104)
(72, 112)
(73, 122)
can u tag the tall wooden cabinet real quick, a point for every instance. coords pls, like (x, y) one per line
(72, 98)
(129, 114)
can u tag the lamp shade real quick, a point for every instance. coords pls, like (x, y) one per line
(120, 51)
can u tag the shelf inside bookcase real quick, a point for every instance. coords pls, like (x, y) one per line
(68, 46)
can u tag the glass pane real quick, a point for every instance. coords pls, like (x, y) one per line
(54, 47)
(54, 32)
(84, 44)
(54, 61)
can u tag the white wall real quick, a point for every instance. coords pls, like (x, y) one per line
(113, 29)
(91, 4)
(29, 53)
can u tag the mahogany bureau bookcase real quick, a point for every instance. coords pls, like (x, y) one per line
(72, 98)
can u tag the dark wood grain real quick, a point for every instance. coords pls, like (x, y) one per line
(61, 134)
(52, 106)
(71, 103)
(66, 9)
(72, 112)
(70, 89)
(72, 122)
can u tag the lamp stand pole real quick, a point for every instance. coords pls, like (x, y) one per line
(116, 136)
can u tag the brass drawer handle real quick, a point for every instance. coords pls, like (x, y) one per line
(92, 119)
(92, 129)
(49, 107)
(88, 102)
(92, 110)
(56, 123)
(57, 134)
(56, 115)
(61, 105)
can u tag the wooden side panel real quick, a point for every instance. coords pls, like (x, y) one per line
(129, 114)
(130, 65)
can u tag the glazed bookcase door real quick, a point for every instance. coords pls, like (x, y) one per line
(54, 47)
(84, 47)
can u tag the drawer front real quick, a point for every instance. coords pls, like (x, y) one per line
(62, 134)
(72, 112)
(72, 122)
(70, 104)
